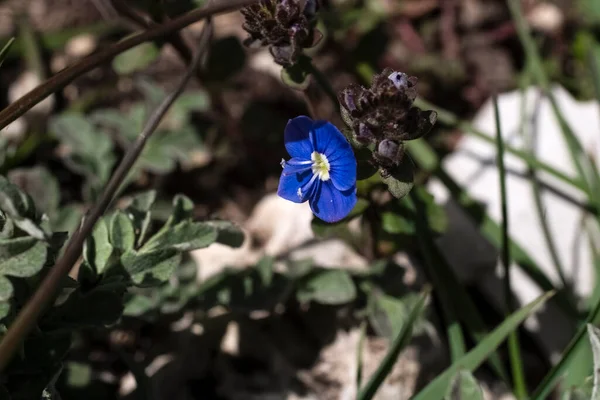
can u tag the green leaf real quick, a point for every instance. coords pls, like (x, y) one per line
(122, 235)
(139, 211)
(330, 287)
(594, 337)
(265, 270)
(88, 151)
(183, 209)
(151, 267)
(436, 389)
(135, 59)
(464, 386)
(185, 236)
(400, 216)
(401, 340)
(400, 180)
(40, 184)
(78, 375)
(19, 206)
(97, 248)
(227, 233)
(139, 305)
(21, 258)
(66, 218)
(583, 392)
(388, 314)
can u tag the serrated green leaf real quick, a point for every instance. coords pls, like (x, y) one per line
(151, 267)
(185, 236)
(330, 287)
(97, 248)
(136, 58)
(464, 386)
(436, 389)
(122, 235)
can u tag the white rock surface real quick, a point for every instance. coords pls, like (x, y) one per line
(473, 166)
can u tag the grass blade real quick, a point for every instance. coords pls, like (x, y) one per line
(392, 355)
(432, 263)
(5, 49)
(436, 389)
(514, 350)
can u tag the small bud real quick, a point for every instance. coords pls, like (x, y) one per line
(364, 135)
(388, 149)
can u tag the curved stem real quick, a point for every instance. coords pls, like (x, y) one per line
(51, 283)
(66, 76)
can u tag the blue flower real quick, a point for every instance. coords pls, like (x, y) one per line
(322, 169)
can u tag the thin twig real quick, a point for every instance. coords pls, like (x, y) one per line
(66, 76)
(51, 283)
(123, 9)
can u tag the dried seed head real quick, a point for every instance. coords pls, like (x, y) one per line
(384, 115)
(286, 26)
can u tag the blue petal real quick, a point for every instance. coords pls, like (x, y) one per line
(296, 137)
(289, 185)
(328, 140)
(332, 205)
(343, 171)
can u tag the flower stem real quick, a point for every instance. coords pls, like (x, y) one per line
(51, 283)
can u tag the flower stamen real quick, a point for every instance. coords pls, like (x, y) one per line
(320, 165)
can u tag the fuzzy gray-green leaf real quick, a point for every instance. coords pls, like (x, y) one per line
(327, 287)
(152, 267)
(184, 236)
(122, 234)
(97, 248)
(22, 258)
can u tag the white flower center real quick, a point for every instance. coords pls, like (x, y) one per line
(320, 165)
